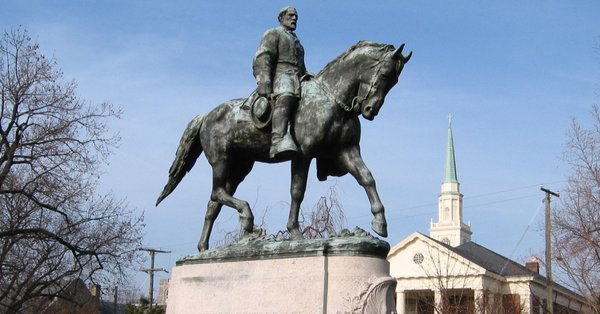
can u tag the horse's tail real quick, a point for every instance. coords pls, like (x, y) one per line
(188, 151)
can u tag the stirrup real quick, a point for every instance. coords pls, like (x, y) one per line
(282, 146)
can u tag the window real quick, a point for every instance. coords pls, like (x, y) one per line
(418, 258)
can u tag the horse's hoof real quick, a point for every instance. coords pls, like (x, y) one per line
(247, 223)
(380, 227)
(295, 234)
(202, 247)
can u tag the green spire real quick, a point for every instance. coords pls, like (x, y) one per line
(450, 171)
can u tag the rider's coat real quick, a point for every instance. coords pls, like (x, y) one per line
(279, 61)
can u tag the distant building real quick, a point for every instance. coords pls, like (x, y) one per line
(163, 291)
(75, 298)
(446, 272)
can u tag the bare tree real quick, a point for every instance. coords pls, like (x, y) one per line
(576, 222)
(53, 225)
(326, 219)
(454, 278)
(450, 277)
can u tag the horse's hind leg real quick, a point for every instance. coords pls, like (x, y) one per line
(224, 185)
(212, 211)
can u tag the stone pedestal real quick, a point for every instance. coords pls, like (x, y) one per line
(335, 275)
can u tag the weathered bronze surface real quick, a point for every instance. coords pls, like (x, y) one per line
(325, 127)
(258, 248)
(278, 67)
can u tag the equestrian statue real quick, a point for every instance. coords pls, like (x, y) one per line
(324, 125)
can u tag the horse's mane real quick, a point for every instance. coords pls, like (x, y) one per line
(360, 44)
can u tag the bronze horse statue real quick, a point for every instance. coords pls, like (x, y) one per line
(325, 126)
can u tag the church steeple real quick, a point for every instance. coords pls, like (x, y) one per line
(450, 173)
(450, 228)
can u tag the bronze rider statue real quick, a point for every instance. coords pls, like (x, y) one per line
(278, 67)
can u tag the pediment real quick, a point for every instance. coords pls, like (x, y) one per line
(421, 256)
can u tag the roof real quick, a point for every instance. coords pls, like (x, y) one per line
(74, 290)
(486, 259)
(498, 264)
(478, 255)
(492, 261)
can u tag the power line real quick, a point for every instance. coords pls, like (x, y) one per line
(522, 235)
(402, 212)
(502, 200)
(515, 189)
(434, 204)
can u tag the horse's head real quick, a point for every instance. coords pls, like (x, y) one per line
(379, 77)
(360, 78)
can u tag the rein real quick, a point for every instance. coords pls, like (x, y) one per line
(355, 105)
(358, 100)
(348, 108)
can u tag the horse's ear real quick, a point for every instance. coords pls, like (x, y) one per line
(398, 53)
(401, 59)
(405, 59)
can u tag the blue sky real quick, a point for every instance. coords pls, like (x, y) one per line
(513, 74)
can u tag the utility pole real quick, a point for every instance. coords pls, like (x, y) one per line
(151, 270)
(115, 299)
(549, 296)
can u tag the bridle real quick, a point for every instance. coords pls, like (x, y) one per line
(358, 100)
(356, 103)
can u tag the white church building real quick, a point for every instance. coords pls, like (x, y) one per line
(446, 272)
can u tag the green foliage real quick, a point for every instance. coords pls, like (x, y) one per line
(144, 309)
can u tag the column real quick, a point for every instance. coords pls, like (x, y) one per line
(400, 302)
(480, 301)
(437, 300)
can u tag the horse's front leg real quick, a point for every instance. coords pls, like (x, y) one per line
(351, 160)
(297, 188)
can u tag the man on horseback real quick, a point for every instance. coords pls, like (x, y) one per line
(278, 67)
(232, 148)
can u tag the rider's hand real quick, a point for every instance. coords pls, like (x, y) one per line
(264, 90)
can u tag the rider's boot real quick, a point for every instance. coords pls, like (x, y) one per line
(282, 143)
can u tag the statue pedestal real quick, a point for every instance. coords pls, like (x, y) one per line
(334, 275)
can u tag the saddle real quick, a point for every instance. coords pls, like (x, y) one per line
(260, 108)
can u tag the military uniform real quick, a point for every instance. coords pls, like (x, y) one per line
(279, 61)
(279, 65)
